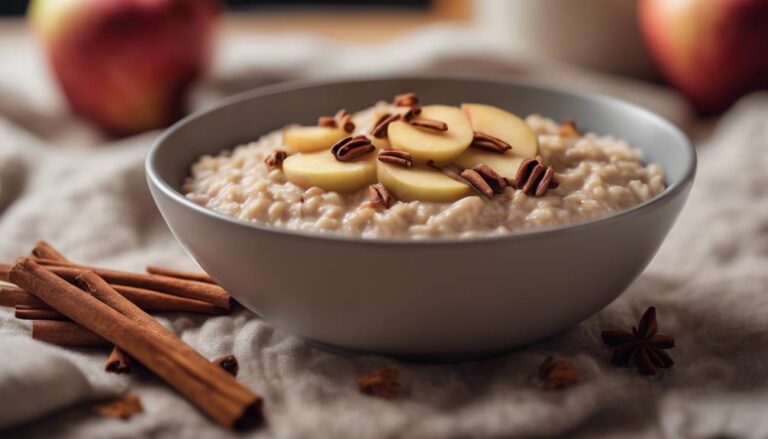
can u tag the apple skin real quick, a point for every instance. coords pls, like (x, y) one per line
(126, 65)
(714, 51)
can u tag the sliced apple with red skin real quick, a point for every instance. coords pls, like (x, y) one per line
(420, 183)
(424, 144)
(321, 169)
(505, 126)
(311, 138)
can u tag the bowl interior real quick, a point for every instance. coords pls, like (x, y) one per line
(246, 117)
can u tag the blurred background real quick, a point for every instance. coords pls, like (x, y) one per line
(83, 71)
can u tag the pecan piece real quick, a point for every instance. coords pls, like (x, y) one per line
(342, 119)
(490, 143)
(556, 373)
(533, 178)
(412, 112)
(275, 160)
(379, 129)
(429, 124)
(405, 100)
(381, 382)
(326, 121)
(351, 148)
(396, 157)
(477, 182)
(643, 347)
(569, 129)
(494, 180)
(379, 197)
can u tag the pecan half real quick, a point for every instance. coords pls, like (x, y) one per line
(429, 124)
(494, 180)
(275, 160)
(351, 148)
(490, 143)
(379, 129)
(379, 197)
(477, 182)
(556, 373)
(381, 382)
(405, 100)
(533, 178)
(569, 129)
(396, 157)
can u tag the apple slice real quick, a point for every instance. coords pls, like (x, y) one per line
(311, 138)
(420, 183)
(503, 125)
(321, 169)
(427, 145)
(504, 164)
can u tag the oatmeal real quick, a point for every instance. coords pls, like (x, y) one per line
(572, 177)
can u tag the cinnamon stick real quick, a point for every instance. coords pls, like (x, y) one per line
(43, 250)
(66, 334)
(145, 299)
(178, 274)
(13, 296)
(31, 313)
(156, 301)
(104, 312)
(205, 292)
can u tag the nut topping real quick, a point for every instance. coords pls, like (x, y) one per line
(342, 118)
(379, 130)
(569, 129)
(275, 160)
(412, 113)
(477, 182)
(351, 148)
(534, 179)
(490, 143)
(405, 100)
(429, 124)
(494, 180)
(379, 197)
(396, 157)
(326, 121)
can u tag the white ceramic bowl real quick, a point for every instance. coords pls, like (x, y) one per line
(443, 297)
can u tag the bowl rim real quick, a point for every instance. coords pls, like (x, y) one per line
(669, 192)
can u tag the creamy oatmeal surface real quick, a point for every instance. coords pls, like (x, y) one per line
(596, 176)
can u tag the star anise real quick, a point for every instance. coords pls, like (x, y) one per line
(643, 347)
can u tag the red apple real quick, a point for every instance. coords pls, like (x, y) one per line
(713, 50)
(126, 65)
